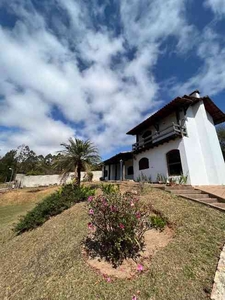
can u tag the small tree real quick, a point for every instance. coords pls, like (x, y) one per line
(78, 155)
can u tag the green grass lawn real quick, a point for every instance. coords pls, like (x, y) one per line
(10, 213)
(47, 263)
(14, 204)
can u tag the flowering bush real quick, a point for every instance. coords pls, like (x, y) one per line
(109, 188)
(116, 228)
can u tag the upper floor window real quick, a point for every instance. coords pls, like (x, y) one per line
(130, 170)
(143, 163)
(174, 163)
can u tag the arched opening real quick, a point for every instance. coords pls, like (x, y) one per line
(174, 163)
(143, 163)
(130, 170)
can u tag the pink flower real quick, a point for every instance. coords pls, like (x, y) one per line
(90, 225)
(90, 198)
(140, 268)
(113, 208)
(91, 212)
(121, 226)
(104, 201)
(132, 204)
(134, 297)
(108, 279)
(138, 215)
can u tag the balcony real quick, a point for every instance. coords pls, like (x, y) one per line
(169, 133)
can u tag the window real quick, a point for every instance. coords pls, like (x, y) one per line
(105, 173)
(130, 170)
(174, 163)
(143, 163)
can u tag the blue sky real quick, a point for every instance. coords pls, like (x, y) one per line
(94, 69)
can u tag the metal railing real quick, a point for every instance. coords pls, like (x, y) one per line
(158, 137)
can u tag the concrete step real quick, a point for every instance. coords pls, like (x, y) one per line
(188, 191)
(196, 196)
(208, 200)
(179, 187)
(219, 204)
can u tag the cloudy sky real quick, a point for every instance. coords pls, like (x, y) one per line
(94, 69)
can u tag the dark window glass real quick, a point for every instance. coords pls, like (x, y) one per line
(143, 163)
(130, 170)
(106, 173)
(174, 163)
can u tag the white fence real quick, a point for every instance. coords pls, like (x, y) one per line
(46, 180)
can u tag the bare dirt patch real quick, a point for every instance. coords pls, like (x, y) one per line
(154, 239)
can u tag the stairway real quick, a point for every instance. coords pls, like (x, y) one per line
(189, 192)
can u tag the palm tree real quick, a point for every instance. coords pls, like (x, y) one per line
(76, 156)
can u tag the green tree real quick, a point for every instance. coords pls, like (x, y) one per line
(78, 155)
(8, 161)
(27, 159)
(221, 135)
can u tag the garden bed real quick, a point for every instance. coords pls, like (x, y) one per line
(155, 240)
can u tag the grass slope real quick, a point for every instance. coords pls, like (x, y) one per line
(16, 203)
(47, 263)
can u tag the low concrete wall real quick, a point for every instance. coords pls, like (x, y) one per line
(43, 180)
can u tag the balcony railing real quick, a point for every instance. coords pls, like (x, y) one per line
(160, 137)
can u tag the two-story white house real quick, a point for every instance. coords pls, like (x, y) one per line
(178, 139)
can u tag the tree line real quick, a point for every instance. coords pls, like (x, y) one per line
(76, 156)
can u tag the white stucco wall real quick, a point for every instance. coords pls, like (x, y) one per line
(202, 149)
(43, 180)
(157, 160)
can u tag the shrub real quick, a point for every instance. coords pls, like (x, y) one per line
(109, 189)
(157, 222)
(161, 178)
(183, 179)
(53, 205)
(117, 227)
(144, 178)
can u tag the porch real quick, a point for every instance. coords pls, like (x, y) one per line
(119, 167)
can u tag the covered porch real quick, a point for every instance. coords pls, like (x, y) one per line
(119, 167)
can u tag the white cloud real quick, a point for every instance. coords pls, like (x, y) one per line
(41, 70)
(217, 6)
(210, 78)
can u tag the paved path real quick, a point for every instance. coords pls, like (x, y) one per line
(217, 190)
(218, 292)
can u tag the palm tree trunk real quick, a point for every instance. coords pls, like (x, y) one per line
(78, 174)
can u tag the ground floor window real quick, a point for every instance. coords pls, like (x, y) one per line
(130, 170)
(174, 163)
(143, 163)
(105, 173)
